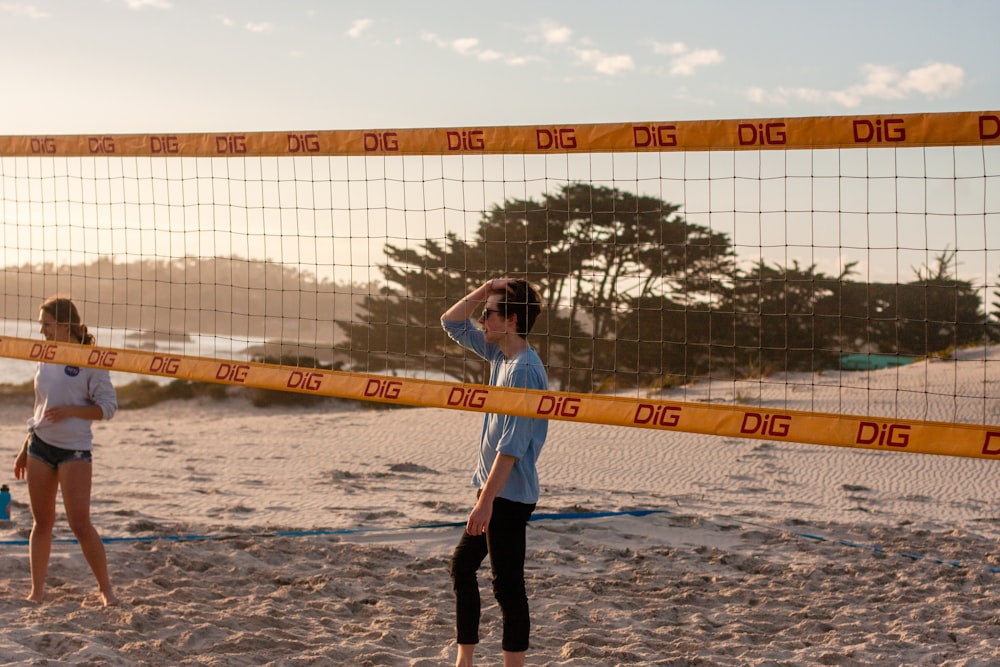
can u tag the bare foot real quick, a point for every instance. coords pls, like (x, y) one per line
(35, 599)
(110, 600)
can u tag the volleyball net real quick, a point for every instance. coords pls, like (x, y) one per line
(829, 280)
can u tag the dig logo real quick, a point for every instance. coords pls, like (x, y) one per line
(991, 447)
(381, 141)
(774, 425)
(303, 143)
(645, 136)
(893, 435)
(563, 406)
(101, 145)
(891, 129)
(989, 127)
(383, 388)
(657, 415)
(43, 351)
(167, 145)
(468, 398)
(102, 358)
(556, 138)
(231, 144)
(301, 380)
(761, 134)
(43, 145)
(472, 140)
(168, 365)
(232, 372)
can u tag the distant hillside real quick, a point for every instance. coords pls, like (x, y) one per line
(211, 296)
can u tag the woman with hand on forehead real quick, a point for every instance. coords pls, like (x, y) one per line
(57, 450)
(505, 474)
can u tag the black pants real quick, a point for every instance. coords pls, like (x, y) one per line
(504, 542)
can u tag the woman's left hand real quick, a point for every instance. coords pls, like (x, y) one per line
(59, 413)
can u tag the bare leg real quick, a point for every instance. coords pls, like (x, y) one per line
(513, 659)
(465, 652)
(43, 485)
(75, 478)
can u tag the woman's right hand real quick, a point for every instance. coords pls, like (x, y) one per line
(21, 461)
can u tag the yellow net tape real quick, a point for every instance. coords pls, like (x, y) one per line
(952, 439)
(901, 131)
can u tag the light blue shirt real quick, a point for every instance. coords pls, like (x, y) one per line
(57, 385)
(520, 437)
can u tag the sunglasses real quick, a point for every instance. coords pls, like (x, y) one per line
(487, 312)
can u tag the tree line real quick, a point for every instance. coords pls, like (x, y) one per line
(638, 296)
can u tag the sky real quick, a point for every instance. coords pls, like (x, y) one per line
(175, 66)
(138, 66)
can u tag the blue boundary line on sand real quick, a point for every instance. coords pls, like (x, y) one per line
(554, 516)
(333, 531)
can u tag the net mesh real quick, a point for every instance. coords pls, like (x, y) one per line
(776, 268)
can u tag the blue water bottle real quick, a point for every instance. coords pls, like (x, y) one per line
(4, 503)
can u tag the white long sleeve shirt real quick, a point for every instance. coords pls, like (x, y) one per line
(57, 385)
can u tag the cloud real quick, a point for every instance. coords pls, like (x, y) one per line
(358, 27)
(555, 34)
(520, 60)
(603, 63)
(934, 80)
(671, 49)
(487, 55)
(260, 27)
(878, 82)
(142, 4)
(465, 45)
(469, 46)
(27, 11)
(461, 45)
(582, 49)
(686, 64)
(762, 96)
(549, 32)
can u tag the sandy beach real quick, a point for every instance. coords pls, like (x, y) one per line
(321, 535)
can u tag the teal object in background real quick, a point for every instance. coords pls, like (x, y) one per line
(870, 362)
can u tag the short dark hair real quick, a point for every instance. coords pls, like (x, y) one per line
(523, 300)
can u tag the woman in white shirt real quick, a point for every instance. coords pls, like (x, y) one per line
(57, 451)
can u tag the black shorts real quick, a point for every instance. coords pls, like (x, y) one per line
(54, 456)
